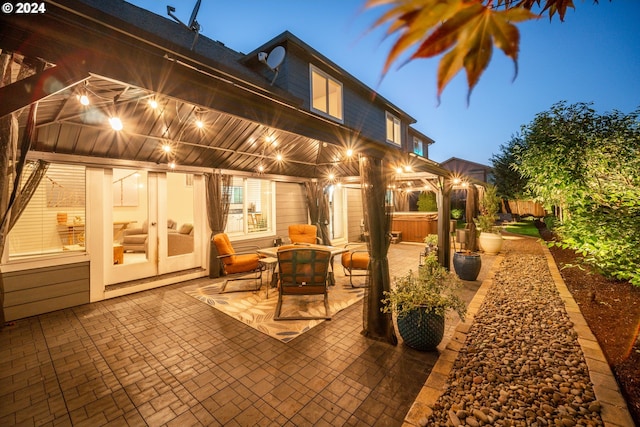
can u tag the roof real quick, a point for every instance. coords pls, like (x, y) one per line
(123, 56)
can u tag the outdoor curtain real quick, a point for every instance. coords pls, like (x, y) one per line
(377, 221)
(401, 200)
(218, 201)
(13, 199)
(318, 206)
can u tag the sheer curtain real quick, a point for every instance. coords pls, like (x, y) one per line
(377, 221)
(318, 205)
(218, 202)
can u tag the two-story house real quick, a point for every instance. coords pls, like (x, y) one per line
(127, 115)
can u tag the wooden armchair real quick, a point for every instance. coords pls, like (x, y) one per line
(355, 263)
(303, 233)
(238, 265)
(302, 271)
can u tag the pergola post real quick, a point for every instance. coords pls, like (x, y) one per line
(443, 198)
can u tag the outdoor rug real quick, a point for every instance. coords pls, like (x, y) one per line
(256, 310)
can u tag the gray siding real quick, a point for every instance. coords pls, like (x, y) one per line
(291, 207)
(36, 291)
(354, 214)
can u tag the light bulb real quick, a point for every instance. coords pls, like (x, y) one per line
(116, 123)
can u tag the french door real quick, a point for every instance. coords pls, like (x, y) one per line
(157, 223)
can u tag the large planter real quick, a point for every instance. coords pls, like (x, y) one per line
(467, 265)
(421, 330)
(490, 243)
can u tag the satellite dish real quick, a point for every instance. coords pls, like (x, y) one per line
(273, 60)
(193, 24)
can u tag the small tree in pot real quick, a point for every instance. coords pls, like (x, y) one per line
(490, 240)
(421, 301)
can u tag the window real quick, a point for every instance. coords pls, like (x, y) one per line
(250, 206)
(54, 219)
(418, 146)
(393, 129)
(326, 94)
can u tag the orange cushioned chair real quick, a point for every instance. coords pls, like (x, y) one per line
(302, 271)
(303, 233)
(236, 263)
(355, 261)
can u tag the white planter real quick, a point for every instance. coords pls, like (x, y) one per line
(490, 243)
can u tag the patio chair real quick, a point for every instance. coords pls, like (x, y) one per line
(303, 233)
(302, 271)
(238, 265)
(355, 263)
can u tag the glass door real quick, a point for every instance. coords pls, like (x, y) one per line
(134, 216)
(180, 242)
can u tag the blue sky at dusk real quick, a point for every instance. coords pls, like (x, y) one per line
(594, 56)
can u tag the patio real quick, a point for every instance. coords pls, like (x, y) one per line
(160, 357)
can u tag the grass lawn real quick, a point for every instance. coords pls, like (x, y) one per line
(523, 227)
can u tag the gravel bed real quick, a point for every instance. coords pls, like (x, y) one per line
(521, 364)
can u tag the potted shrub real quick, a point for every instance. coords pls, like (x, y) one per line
(431, 246)
(490, 239)
(420, 302)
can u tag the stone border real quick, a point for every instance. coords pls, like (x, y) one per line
(614, 411)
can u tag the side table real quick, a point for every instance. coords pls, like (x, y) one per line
(270, 264)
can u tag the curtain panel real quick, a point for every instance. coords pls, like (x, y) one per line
(377, 221)
(218, 200)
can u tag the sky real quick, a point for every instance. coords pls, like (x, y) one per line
(593, 56)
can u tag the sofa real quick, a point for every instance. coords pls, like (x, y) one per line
(135, 239)
(180, 241)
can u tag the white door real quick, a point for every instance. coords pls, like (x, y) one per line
(157, 224)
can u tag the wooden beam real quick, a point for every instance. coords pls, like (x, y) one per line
(32, 89)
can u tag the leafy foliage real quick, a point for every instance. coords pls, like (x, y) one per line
(489, 206)
(427, 202)
(589, 165)
(509, 183)
(463, 31)
(432, 289)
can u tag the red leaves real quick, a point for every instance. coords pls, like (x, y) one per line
(464, 31)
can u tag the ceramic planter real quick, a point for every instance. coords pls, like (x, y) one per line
(490, 243)
(467, 265)
(421, 330)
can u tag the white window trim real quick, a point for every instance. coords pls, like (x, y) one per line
(314, 69)
(395, 121)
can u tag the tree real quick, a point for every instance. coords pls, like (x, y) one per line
(465, 31)
(510, 185)
(589, 165)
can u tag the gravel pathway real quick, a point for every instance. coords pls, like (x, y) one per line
(521, 364)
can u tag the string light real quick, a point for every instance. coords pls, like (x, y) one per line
(116, 123)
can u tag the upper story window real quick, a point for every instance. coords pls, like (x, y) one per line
(326, 94)
(418, 146)
(393, 129)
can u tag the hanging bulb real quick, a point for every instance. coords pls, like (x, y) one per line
(116, 123)
(84, 99)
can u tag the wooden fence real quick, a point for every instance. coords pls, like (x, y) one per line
(525, 207)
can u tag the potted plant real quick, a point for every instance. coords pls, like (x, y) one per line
(420, 302)
(490, 239)
(431, 247)
(456, 213)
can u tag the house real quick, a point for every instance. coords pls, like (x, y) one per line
(469, 169)
(128, 116)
